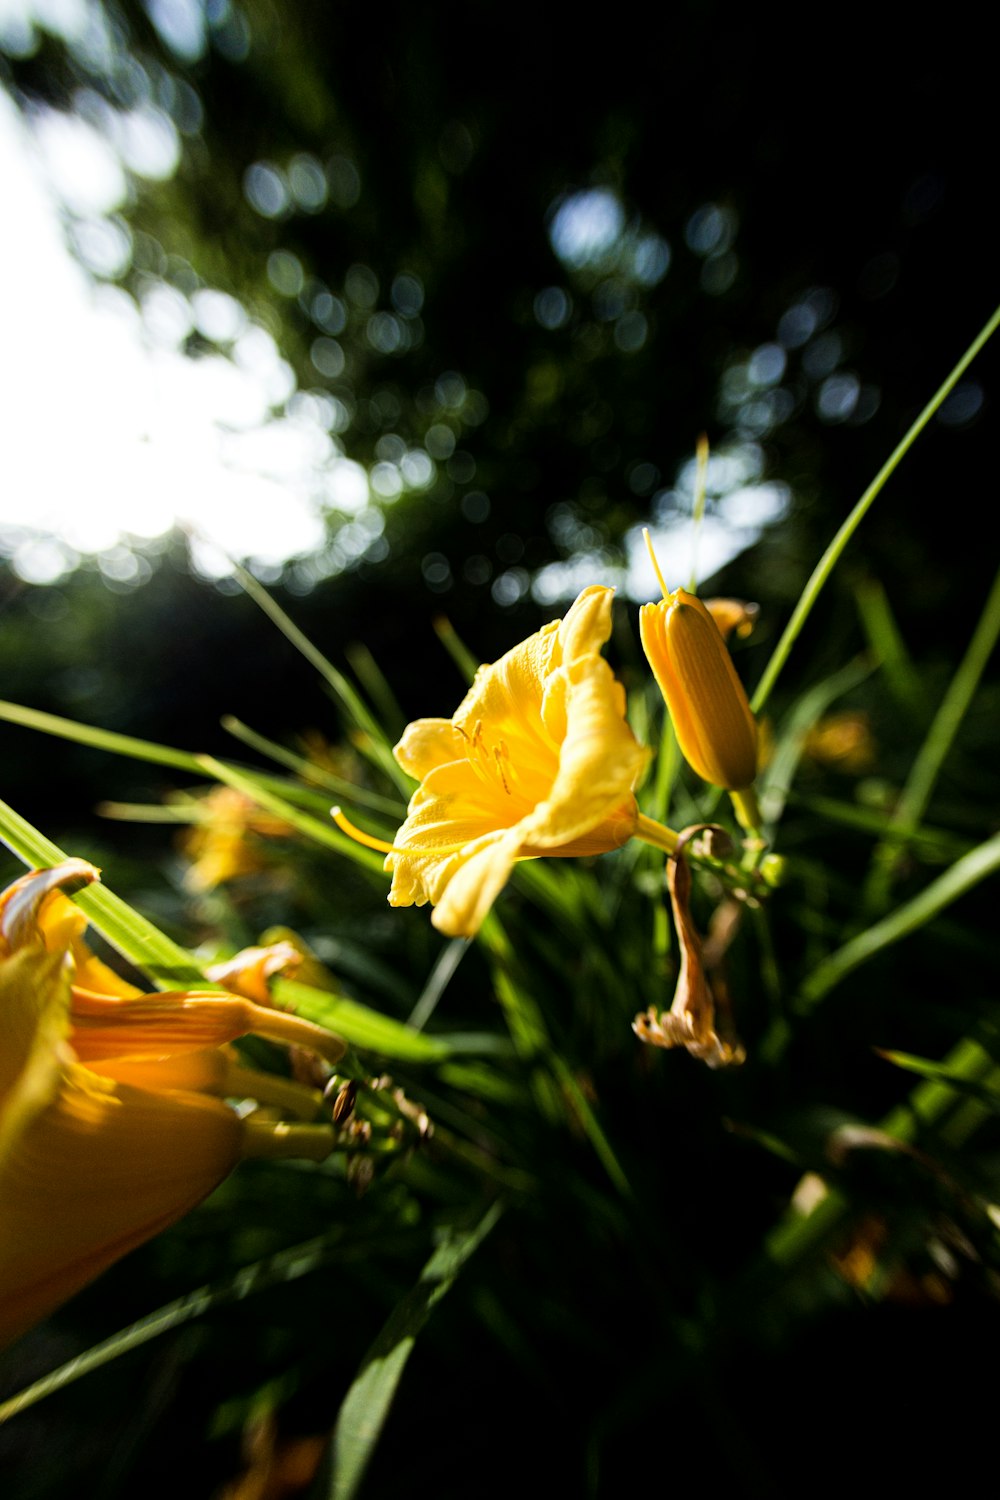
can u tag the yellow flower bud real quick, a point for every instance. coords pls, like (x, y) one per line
(715, 728)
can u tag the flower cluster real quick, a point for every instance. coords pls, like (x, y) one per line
(539, 759)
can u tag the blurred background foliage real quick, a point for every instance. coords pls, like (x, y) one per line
(509, 262)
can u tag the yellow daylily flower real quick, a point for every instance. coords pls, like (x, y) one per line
(715, 727)
(111, 1122)
(224, 843)
(537, 760)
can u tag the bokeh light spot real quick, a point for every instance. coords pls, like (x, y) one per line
(553, 308)
(585, 227)
(475, 506)
(266, 190)
(284, 272)
(964, 403)
(837, 397)
(407, 294)
(328, 357)
(307, 182)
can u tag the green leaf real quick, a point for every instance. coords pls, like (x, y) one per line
(359, 1025)
(944, 1074)
(956, 880)
(366, 1405)
(287, 1265)
(832, 555)
(252, 786)
(139, 940)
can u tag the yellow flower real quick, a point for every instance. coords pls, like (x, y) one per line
(109, 1131)
(843, 741)
(715, 727)
(538, 759)
(224, 844)
(733, 615)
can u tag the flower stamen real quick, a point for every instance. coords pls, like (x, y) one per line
(656, 566)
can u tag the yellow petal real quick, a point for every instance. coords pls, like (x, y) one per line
(426, 744)
(165, 1023)
(93, 1174)
(247, 972)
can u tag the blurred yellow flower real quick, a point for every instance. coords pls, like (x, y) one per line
(222, 845)
(733, 615)
(843, 741)
(108, 1128)
(537, 760)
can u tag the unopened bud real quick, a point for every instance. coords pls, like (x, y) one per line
(715, 728)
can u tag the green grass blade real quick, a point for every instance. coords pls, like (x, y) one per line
(956, 1082)
(99, 739)
(934, 751)
(456, 648)
(134, 749)
(879, 624)
(366, 1405)
(345, 693)
(321, 833)
(309, 772)
(832, 555)
(440, 977)
(780, 773)
(959, 878)
(141, 942)
(286, 1265)
(360, 1025)
(371, 677)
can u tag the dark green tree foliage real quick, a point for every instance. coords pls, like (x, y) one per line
(384, 192)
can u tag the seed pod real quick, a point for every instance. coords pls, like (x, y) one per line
(715, 728)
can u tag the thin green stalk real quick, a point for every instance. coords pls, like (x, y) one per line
(347, 695)
(879, 624)
(832, 555)
(320, 833)
(959, 878)
(308, 771)
(125, 928)
(456, 647)
(934, 751)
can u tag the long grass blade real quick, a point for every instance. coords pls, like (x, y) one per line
(140, 942)
(311, 773)
(321, 833)
(286, 1265)
(959, 878)
(366, 1405)
(832, 555)
(925, 770)
(343, 690)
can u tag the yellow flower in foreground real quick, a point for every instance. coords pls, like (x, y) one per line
(538, 759)
(109, 1131)
(715, 727)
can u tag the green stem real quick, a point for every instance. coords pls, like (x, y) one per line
(656, 834)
